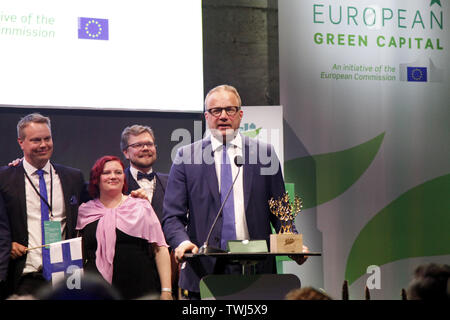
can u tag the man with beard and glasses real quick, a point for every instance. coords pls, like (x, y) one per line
(138, 146)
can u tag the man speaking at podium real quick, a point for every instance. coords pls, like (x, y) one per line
(205, 180)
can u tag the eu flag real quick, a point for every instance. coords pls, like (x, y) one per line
(93, 28)
(418, 74)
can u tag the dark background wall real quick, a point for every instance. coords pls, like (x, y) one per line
(240, 39)
(80, 137)
(240, 47)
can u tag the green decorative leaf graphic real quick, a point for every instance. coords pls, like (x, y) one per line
(321, 178)
(416, 224)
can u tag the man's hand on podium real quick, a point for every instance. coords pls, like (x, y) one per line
(185, 246)
(301, 260)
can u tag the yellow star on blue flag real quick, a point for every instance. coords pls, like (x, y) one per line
(436, 1)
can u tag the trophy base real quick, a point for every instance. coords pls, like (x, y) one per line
(286, 243)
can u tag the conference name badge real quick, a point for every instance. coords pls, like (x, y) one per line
(52, 231)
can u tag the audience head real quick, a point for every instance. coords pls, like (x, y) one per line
(430, 282)
(97, 184)
(21, 297)
(91, 287)
(35, 139)
(138, 146)
(307, 293)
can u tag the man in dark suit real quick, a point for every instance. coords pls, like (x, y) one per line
(5, 246)
(194, 192)
(138, 146)
(34, 191)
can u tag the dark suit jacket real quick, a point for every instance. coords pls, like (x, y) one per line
(12, 188)
(193, 200)
(158, 195)
(5, 241)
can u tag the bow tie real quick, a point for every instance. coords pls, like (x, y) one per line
(148, 176)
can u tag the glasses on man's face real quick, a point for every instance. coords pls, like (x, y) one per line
(216, 112)
(141, 145)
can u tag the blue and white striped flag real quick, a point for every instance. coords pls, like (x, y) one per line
(65, 257)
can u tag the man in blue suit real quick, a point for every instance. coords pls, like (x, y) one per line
(193, 195)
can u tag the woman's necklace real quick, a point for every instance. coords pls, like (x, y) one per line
(122, 199)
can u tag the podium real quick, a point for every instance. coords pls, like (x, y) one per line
(247, 285)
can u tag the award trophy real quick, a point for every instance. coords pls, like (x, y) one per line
(286, 241)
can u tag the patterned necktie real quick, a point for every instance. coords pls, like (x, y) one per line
(46, 266)
(226, 180)
(149, 176)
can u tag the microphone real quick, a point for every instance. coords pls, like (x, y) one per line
(205, 248)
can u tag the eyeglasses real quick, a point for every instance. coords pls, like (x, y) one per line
(216, 112)
(141, 145)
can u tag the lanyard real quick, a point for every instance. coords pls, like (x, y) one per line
(39, 194)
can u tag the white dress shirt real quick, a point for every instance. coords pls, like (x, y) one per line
(33, 262)
(148, 186)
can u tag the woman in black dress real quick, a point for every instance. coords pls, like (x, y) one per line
(122, 236)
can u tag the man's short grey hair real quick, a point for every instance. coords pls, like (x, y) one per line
(33, 117)
(134, 130)
(224, 87)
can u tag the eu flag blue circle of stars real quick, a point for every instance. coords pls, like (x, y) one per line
(91, 33)
(417, 74)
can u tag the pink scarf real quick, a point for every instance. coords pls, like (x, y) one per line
(134, 217)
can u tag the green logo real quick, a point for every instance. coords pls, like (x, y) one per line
(250, 130)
